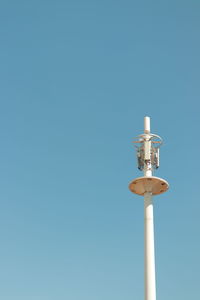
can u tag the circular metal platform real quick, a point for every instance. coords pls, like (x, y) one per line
(154, 185)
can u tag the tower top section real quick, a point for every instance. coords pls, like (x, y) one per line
(147, 148)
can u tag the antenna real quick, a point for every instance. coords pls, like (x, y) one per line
(147, 150)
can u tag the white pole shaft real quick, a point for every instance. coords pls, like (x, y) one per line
(147, 148)
(149, 252)
(150, 278)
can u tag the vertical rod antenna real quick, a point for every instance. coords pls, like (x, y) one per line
(146, 124)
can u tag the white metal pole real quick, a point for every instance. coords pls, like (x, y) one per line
(150, 278)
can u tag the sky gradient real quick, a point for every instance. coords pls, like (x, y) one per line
(77, 79)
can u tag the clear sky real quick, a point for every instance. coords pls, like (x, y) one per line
(77, 77)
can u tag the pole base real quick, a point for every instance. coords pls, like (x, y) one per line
(153, 185)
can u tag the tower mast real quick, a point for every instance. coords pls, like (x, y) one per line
(147, 148)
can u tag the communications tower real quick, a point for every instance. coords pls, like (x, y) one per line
(147, 149)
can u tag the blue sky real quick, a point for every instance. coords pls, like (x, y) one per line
(77, 78)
